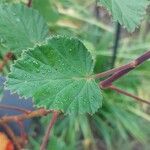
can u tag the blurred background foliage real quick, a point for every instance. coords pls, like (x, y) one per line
(121, 123)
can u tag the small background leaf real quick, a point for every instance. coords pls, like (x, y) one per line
(128, 13)
(21, 27)
(47, 9)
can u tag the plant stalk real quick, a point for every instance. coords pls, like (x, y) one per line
(128, 94)
(47, 134)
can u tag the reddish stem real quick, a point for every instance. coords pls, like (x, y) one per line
(22, 131)
(123, 71)
(112, 71)
(47, 134)
(36, 113)
(7, 57)
(15, 108)
(11, 135)
(128, 94)
(29, 4)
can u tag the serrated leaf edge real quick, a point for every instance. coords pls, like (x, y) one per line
(21, 58)
(115, 20)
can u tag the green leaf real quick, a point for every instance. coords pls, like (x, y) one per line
(21, 27)
(46, 8)
(58, 75)
(128, 13)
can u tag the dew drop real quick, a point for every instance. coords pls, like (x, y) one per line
(18, 20)
(14, 14)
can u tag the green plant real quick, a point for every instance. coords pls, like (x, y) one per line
(58, 72)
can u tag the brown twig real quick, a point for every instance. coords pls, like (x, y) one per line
(11, 135)
(123, 71)
(7, 57)
(130, 66)
(36, 113)
(47, 133)
(29, 4)
(2, 106)
(128, 94)
(23, 134)
(112, 71)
